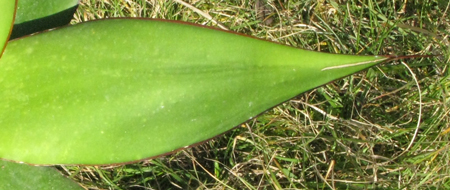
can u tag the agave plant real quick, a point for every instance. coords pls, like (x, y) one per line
(116, 91)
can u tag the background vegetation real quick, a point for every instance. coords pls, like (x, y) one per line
(353, 133)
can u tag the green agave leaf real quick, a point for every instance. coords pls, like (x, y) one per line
(7, 10)
(121, 90)
(21, 176)
(38, 15)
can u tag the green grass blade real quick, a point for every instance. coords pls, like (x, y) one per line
(7, 10)
(121, 90)
(38, 15)
(22, 176)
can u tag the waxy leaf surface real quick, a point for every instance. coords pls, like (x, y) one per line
(38, 15)
(22, 176)
(7, 11)
(120, 90)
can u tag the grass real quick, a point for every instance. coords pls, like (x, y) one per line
(350, 134)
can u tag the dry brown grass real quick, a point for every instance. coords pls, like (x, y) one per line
(340, 136)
